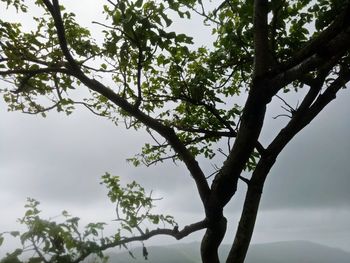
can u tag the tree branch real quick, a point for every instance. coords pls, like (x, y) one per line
(37, 250)
(261, 44)
(331, 44)
(159, 231)
(34, 71)
(301, 118)
(139, 73)
(307, 112)
(247, 181)
(315, 45)
(167, 132)
(207, 132)
(210, 133)
(54, 9)
(211, 109)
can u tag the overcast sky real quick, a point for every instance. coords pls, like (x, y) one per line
(59, 161)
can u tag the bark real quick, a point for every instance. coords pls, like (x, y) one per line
(262, 54)
(212, 240)
(246, 224)
(245, 229)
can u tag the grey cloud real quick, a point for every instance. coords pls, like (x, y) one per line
(61, 155)
(68, 154)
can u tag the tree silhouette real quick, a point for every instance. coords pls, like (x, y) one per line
(151, 77)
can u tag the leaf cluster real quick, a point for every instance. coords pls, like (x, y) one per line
(51, 240)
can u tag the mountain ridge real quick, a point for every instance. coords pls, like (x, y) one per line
(298, 251)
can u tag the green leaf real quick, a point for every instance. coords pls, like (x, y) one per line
(117, 17)
(138, 3)
(14, 233)
(103, 66)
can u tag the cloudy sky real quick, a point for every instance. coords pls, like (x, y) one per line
(59, 161)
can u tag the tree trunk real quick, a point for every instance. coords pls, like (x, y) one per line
(212, 240)
(246, 224)
(245, 229)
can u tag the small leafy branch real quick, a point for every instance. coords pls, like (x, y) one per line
(48, 241)
(133, 206)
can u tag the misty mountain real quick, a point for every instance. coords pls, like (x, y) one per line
(279, 252)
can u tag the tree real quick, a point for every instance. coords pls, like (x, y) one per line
(182, 96)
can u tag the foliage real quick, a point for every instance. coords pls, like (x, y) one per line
(155, 78)
(48, 240)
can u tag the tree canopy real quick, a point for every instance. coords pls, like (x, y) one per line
(154, 78)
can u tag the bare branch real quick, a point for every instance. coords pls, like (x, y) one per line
(216, 168)
(148, 164)
(90, 108)
(113, 4)
(247, 181)
(289, 107)
(222, 152)
(209, 133)
(281, 115)
(304, 115)
(37, 250)
(204, 14)
(41, 109)
(153, 137)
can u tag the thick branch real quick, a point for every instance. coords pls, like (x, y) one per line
(139, 73)
(314, 45)
(316, 55)
(225, 183)
(54, 9)
(261, 45)
(154, 124)
(303, 116)
(187, 230)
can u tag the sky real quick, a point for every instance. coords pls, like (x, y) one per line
(59, 161)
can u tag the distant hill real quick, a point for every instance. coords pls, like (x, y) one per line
(279, 252)
(296, 252)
